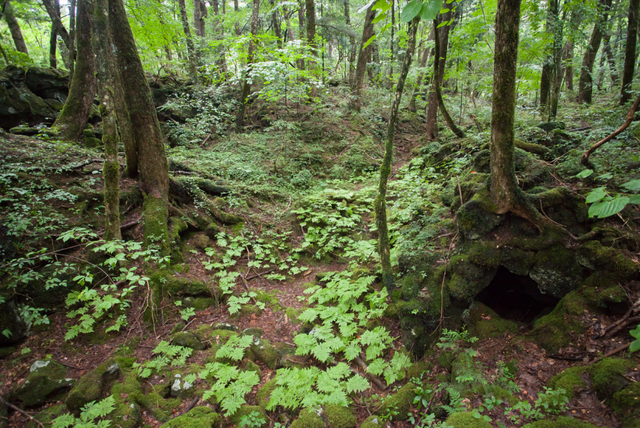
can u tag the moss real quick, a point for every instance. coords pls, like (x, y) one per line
(416, 370)
(603, 296)
(46, 382)
(570, 380)
(339, 417)
(198, 417)
(308, 418)
(92, 386)
(262, 351)
(560, 422)
(264, 393)
(200, 303)
(476, 218)
(201, 241)
(176, 227)
(595, 256)
(269, 298)
(531, 147)
(556, 270)
(493, 391)
(126, 415)
(156, 214)
(554, 331)
(478, 324)
(466, 420)
(174, 286)
(246, 410)
(188, 340)
(626, 403)
(372, 421)
(247, 310)
(399, 403)
(292, 315)
(607, 376)
(45, 416)
(221, 216)
(467, 279)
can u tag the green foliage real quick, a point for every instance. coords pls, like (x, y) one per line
(252, 420)
(231, 385)
(165, 355)
(635, 345)
(89, 415)
(235, 347)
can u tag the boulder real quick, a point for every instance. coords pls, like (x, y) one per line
(201, 417)
(92, 386)
(45, 383)
(48, 83)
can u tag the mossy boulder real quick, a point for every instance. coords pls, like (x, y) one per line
(264, 393)
(24, 130)
(571, 380)
(399, 403)
(466, 420)
(188, 340)
(46, 382)
(178, 286)
(247, 311)
(12, 321)
(372, 421)
(93, 385)
(309, 418)
(557, 271)
(595, 256)
(263, 351)
(45, 416)
(127, 415)
(477, 217)
(245, 410)
(608, 376)
(180, 387)
(483, 322)
(339, 417)
(198, 417)
(626, 403)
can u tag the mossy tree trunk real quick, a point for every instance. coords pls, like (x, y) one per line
(310, 13)
(75, 114)
(585, 84)
(106, 77)
(380, 202)
(613, 72)
(352, 44)
(192, 62)
(436, 84)
(556, 74)
(569, 46)
(630, 51)
(423, 64)
(53, 48)
(363, 55)
(199, 15)
(152, 160)
(246, 86)
(432, 107)
(14, 28)
(275, 22)
(71, 46)
(54, 15)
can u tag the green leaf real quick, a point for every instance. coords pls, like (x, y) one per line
(608, 208)
(430, 10)
(357, 384)
(635, 199)
(596, 194)
(634, 346)
(633, 185)
(584, 173)
(635, 332)
(411, 10)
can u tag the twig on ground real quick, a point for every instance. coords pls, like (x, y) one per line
(22, 412)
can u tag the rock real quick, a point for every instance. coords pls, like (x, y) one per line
(198, 417)
(264, 393)
(557, 272)
(466, 420)
(11, 321)
(127, 415)
(93, 386)
(180, 387)
(201, 241)
(372, 421)
(563, 422)
(256, 413)
(399, 403)
(188, 340)
(18, 103)
(339, 417)
(45, 383)
(483, 322)
(46, 416)
(625, 404)
(178, 286)
(608, 376)
(256, 332)
(24, 130)
(550, 126)
(309, 418)
(225, 326)
(48, 83)
(264, 352)
(476, 217)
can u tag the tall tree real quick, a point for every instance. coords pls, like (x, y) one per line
(556, 56)
(275, 22)
(246, 85)
(352, 43)
(567, 55)
(75, 114)
(432, 108)
(423, 63)
(585, 84)
(54, 15)
(191, 50)
(363, 58)
(199, 15)
(14, 27)
(380, 202)
(630, 51)
(149, 142)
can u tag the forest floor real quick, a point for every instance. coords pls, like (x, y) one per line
(285, 183)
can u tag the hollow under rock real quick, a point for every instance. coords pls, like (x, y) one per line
(516, 297)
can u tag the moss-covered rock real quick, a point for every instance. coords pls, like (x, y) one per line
(476, 217)
(560, 422)
(93, 385)
(247, 310)
(180, 387)
(556, 270)
(466, 420)
(46, 382)
(595, 256)
(608, 376)
(45, 416)
(483, 322)
(372, 421)
(571, 380)
(339, 417)
(201, 241)
(198, 417)
(309, 418)
(399, 403)
(187, 339)
(11, 320)
(264, 393)
(626, 403)
(256, 413)
(263, 351)
(178, 286)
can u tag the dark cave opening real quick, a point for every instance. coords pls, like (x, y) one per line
(516, 297)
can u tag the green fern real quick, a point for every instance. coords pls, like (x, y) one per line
(88, 415)
(230, 387)
(235, 347)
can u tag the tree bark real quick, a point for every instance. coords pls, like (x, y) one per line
(557, 58)
(363, 55)
(548, 75)
(352, 44)
(277, 30)
(106, 78)
(613, 72)
(423, 64)
(14, 28)
(310, 8)
(53, 48)
(191, 51)
(436, 84)
(149, 141)
(54, 15)
(630, 51)
(199, 15)
(246, 86)
(585, 84)
(432, 107)
(71, 54)
(380, 202)
(75, 113)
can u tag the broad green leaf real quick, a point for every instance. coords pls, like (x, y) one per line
(357, 384)
(608, 208)
(635, 199)
(632, 185)
(411, 10)
(430, 10)
(596, 195)
(584, 173)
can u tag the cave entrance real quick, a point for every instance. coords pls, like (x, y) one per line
(516, 297)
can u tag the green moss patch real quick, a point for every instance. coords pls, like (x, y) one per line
(466, 420)
(199, 417)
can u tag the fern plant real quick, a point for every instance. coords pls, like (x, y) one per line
(166, 355)
(88, 415)
(231, 385)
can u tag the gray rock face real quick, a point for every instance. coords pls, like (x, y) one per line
(45, 383)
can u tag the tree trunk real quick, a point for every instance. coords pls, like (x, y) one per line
(567, 58)
(152, 161)
(363, 55)
(423, 64)
(352, 43)
(277, 30)
(199, 15)
(246, 86)
(191, 51)
(630, 52)
(54, 15)
(106, 78)
(71, 54)
(585, 84)
(613, 72)
(53, 39)
(291, 36)
(310, 7)
(380, 203)
(75, 113)
(436, 84)
(14, 28)
(432, 108)
(557, 58)
(547, 77)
